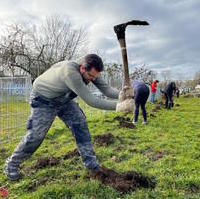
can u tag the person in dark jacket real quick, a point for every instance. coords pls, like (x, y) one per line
(168, 92)
(141, 94)
(177, 92)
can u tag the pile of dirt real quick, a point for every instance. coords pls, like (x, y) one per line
(36, 183)
(71, 154)
(46, 162)
(124, 183)
(124, 122)
(3, 153)
(157, 156)
(157, 108)
(188, 96)
(104, 140)
(152, 115)
(53, 161)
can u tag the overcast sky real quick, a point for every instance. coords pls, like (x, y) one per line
(171, 42)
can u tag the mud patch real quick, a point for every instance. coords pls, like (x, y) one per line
(122, 119)
(154, 156)
(3, 153)
(188, 96)
(157, 108)
(124, 122)
(124, 183)
(104, 140)
(129, 125)
(152, 115)
(193, 188)
(46, 162)
(71, 154)
(36, 183)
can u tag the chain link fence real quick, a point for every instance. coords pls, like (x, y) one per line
(14, 106)
(15, 109)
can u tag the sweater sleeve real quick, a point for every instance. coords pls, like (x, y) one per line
(106, 89)
(75, 82)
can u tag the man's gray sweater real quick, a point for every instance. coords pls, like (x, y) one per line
(65, 79)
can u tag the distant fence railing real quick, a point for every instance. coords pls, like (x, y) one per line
(14, 107)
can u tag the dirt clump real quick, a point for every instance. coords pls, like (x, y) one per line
(157, 156)
(157, 108)
(46, 162)
(154, 156)
(124, 122)
(122, 119)
(124, 183)
(71, 154)
(152, 115)
(3, 153)
(104, 140)
(188, 96)
(36, 183)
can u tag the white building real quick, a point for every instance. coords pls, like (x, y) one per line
(197, 88)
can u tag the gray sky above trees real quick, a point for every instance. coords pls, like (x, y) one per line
(171, 42)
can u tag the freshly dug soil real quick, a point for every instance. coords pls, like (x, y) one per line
(71, 154)
(157, 108)
(53, 161)
(104, 140)
(45, 162)
(122, 119)
(152, 115)
(155, 157)
(35, 184)
(188, 96)
(124, 122)
(126, 182)
(3, 153)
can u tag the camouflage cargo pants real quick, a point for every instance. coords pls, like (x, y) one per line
(43, 113)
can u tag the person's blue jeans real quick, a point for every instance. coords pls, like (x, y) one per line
(141, 95)
(43, 113)
(153, 96)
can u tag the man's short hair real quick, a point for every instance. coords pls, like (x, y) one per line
(93, 61)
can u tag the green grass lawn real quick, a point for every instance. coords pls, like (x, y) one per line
(167, 148)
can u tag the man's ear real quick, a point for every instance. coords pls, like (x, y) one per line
(82, 69)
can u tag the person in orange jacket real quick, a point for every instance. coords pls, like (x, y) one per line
(154, 90)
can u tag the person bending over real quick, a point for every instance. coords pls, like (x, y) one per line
(141, 94)
(52, 95)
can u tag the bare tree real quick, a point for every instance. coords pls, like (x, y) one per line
(166, 75)
(34, 49)
(143, 74)
(197, 78)
(113, 74)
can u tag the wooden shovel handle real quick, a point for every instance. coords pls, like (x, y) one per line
(125, 62)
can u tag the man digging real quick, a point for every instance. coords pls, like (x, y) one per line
(52, 95)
